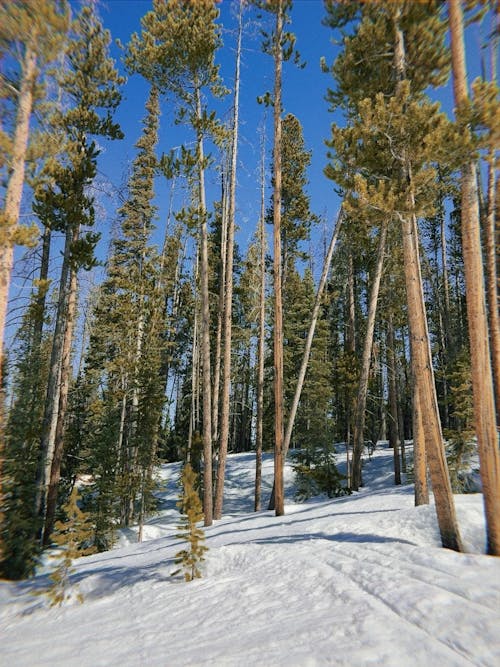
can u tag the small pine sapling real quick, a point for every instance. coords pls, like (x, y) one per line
(74, 537)
(460, 443)
(191, 510)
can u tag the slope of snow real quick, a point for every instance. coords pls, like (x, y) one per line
(360, 580)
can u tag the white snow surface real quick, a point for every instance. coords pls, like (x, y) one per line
(359, 580)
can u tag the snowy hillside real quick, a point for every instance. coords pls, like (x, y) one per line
(360, 580)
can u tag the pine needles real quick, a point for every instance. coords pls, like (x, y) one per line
(191, 510)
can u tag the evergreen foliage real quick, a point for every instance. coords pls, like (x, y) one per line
(191, 510)
(22, 450)
(73, 537)
(316, 473)
(170, 355)
(122, 377)
(460, 438)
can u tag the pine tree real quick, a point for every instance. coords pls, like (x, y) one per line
(22, 440)
(33, 35)
(125, 355)
(190, 507)
(398, 187)
(228, 287)
(482, 379)
(74, 537)
(460, 437)
(176, 52)
(92, 85)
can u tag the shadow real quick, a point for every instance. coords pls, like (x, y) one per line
(281, 520)
(108, 580)
(354, 538)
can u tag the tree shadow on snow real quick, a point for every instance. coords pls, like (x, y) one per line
(336, 537)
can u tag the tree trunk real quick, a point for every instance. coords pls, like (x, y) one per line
(421, 358)
(359, 420)
(42, 290)
(419, 456)
(228, 300)
(423, 381)
(64, 382)
(492, 237)
(13, 195)
(278, 305)
(220, 313)
(259, 427)
(51, 410)
(482, 381)
(195, 363)
(394, 431)
(492, 282)
(205, 333)
(308, 343)
(350, 346)
(401, 412)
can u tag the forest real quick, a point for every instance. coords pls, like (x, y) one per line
(191, 344)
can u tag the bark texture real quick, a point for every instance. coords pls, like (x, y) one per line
(482, 381)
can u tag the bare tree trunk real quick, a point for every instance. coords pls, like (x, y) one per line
(278, 268)
(492, 236)
(228, 300)
(195, 353)
(482, 380)
(51, 410)
(401, 415)
(220, 312)
(42, 290)
(351, 348)
(134, 406)
(421, 358)
(64, 382)
(359, 420)
(194, 388)
(394, 431)
(259, 428)
(351, 323)
(419, 456)
(205, 333)
(308, 344)
(13, 195)
(492, 282)
(423, 381)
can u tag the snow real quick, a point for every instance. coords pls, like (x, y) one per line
(359, 580)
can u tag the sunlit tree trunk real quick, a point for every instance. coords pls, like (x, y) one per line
(205, 333)
(482, 381)
(259, 427)
(492, 238)
(278, 304)
(51, 411)
(64, 384)
(9, 217)
(421, 358)
(220, 309)
(308, 344)
(228, 299)
(419, 456)
(359, 420)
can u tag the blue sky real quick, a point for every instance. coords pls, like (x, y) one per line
(303, 95)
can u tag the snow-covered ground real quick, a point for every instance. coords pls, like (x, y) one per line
(360, 580)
